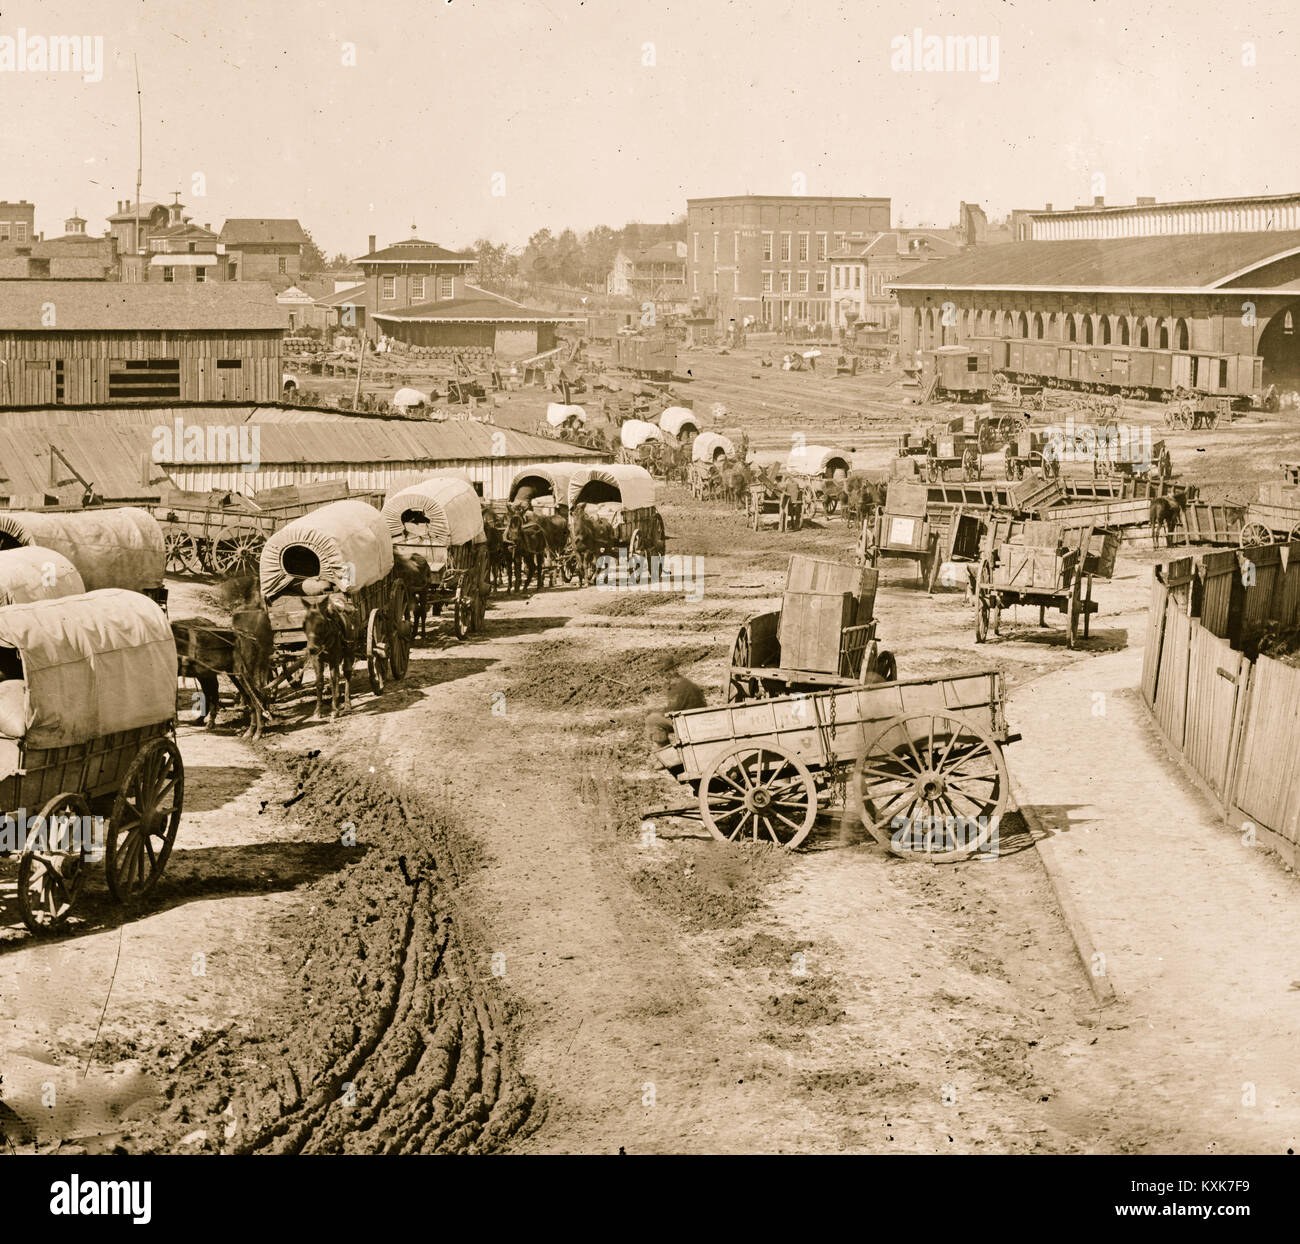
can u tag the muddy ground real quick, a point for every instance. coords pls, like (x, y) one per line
(459, 919)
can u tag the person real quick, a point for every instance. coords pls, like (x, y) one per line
(683, 694)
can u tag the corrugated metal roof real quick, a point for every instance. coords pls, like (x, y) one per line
(108, 306)
(1199, 260)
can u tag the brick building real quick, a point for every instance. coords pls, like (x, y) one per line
(765, 258)
(408, 274)
(17, 228)
(862, 271)
(260, 249)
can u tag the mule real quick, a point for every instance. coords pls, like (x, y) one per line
(592, 537)
(331, 629)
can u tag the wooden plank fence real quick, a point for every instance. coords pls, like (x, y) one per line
(1235, 723)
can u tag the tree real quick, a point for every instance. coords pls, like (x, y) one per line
(313, 258)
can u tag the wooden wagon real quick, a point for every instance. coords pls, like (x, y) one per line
(773, 502)
(1200, 410)
(813, 467)
(1042, 565)
(342, 547)
(441, 520)
(919, 761)
(544, 488)
(904, 528)
(638, 523)
(222, 533)
(824, 634)
(110, 546)
(1032, 450)
(88, 757)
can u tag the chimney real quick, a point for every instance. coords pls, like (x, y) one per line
(1098, 200)
(1048, 208)
(370, 250)
(1146, 200)
(119, 208)
(208, 227)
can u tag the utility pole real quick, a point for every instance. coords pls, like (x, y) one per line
(139, 165)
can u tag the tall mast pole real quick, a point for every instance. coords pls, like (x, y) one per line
(139, 165)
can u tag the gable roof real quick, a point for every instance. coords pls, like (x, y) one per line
(481, 307)
(1200, 261)
(258, 230)
(354, 296)
(415, 250)
(98, 306)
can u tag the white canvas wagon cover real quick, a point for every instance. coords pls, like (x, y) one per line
(635, 432)
(120, 547)
(449, 507)
(707, 445)
(552, 477)
(35, 573)
(94, 664)
(815, 460)
(675, 418)
(346, 542)
(558, 412)
(631, 485)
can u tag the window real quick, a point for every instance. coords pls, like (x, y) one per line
(200, 274)
(857, 278)
(132, 379)
(839, 241)
(1181, 335)
(446, 287)
(4, 231)
(1038, 327)
(735, 280)
(1144, 336)
(735, 247)
(767, 282)
(697, 248)
(803, 282)
(836, 278)
(715, 248)
(1164, 336)
(1087, 330)
(821, 248)
(972, 362)
(417, 289)
(821, 282)
(232, 272)
(191, 248)
(229, 364)
(58, 380)
(695, 282)
(767, 248)
(20, 231)
(785, 248)
(388, 287)
(1074, 330)
(1105, 330)
(785, 282)
(803, 248)
(1223, 373)
(1123, 330)
(169, 275)
(1288, 325)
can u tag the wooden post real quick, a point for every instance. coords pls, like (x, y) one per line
(361, 355)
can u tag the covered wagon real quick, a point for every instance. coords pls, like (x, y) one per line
(680, 423)
(709, 454)
(34, 573)
(441, 521)
(342, 547)
(712, 447)
(88, 758)
(627, 492)
(119, 547)
(544, 486)
(818, 461)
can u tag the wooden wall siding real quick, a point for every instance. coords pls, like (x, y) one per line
(1171, 690)
(1155, 637)
(1214, 679)
(86, 358)
(1216, 603)
(1268, 778)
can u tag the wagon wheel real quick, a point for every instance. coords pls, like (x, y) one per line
(1255, 534)
(376, 660)
(401, 617)
(52, 874)
(569, 561)
(142, 825)
(936, 766)
(236, 553)
(1295, 534)
(182, 550)
(933, 471)
(1009, 425)
(970, 462)
(658, 540)
(462, 612)
(762, 794)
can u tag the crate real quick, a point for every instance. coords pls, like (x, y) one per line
(909, 499)
(1028, 567)
(820, 574)
(1100, 545)
(812, 624)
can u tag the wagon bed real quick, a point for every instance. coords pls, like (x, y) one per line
(761, 768)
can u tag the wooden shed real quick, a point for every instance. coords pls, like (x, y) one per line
(97, 342)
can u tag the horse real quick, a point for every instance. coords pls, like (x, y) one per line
(736, 479)
(241, 651)
(527, 541)
(1165, 512)
(414, 572)
(592, 537)
(331, 627)
(500, 555)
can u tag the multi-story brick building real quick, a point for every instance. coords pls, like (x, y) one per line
(410, 274)
(132, 243)
(183, 251)
(862, 271)
(17, 228)
(765, 258)
(260, 249)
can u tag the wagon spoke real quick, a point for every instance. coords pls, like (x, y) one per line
(740, 825)
(722, 774)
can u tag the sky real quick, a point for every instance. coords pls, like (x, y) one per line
(499, 117)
